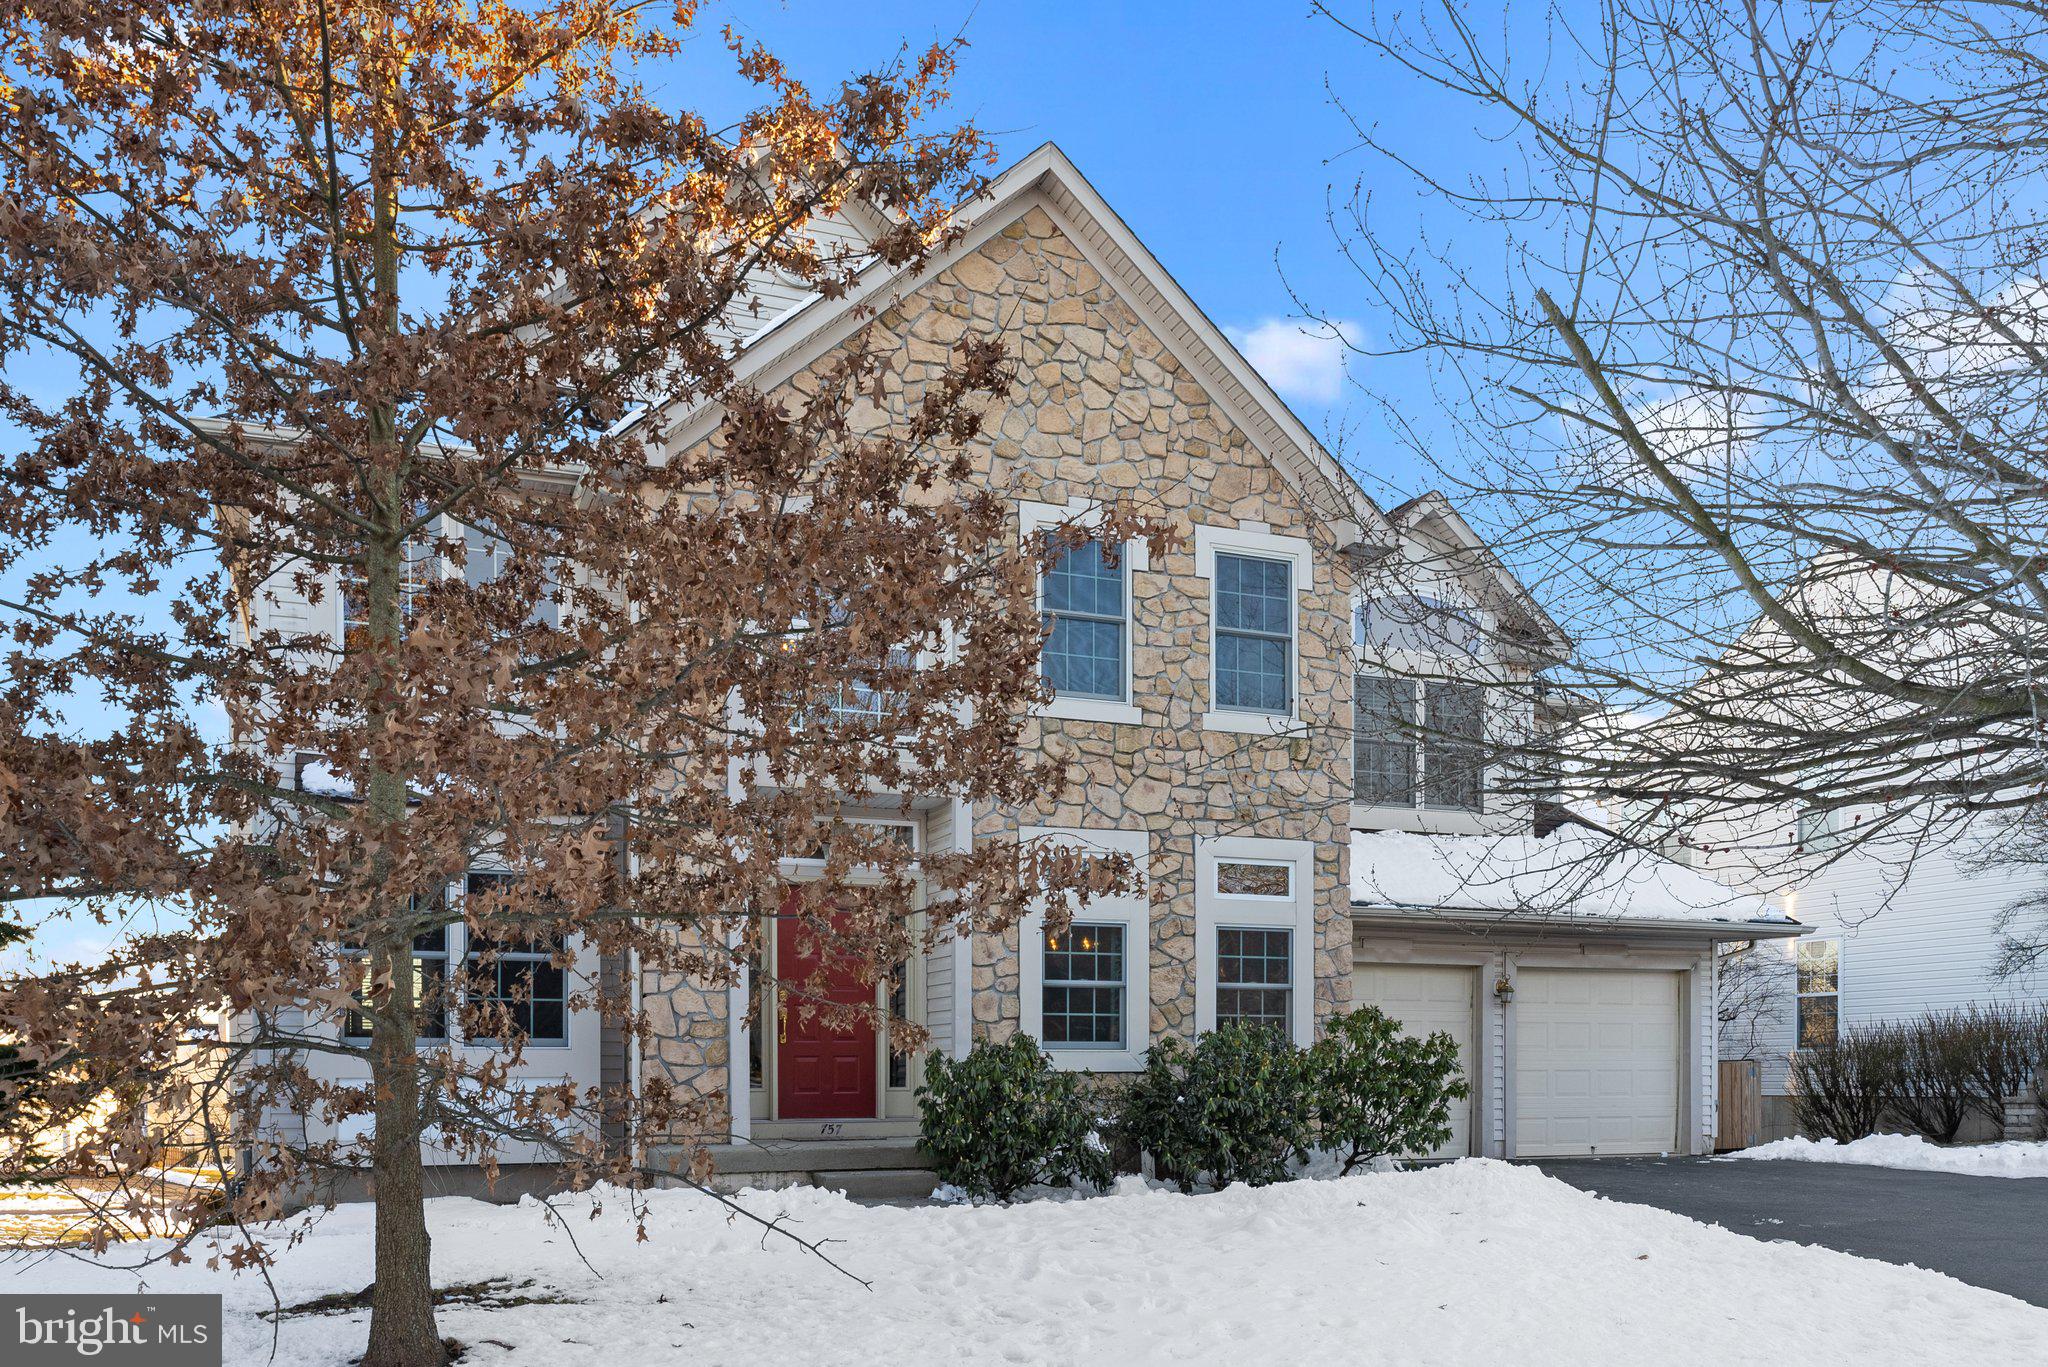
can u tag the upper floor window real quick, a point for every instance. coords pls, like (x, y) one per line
(1086, 604)
(1819, 967)
(1254, 634)
(418, 566)
(486, 556)
(1820, 829)
(1417, 743)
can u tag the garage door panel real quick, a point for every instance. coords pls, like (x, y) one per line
(1597, 1061)
(1426, 998)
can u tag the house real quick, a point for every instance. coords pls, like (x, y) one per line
(1899, 905)
(1207, 695)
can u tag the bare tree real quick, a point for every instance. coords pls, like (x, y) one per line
(1754, 392)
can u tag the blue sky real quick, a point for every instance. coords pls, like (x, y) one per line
(1207, 126)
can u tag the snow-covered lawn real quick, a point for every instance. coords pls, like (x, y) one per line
(1473, 1262)
(2013, 1158)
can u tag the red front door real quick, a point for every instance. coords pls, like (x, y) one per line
(821, 1073)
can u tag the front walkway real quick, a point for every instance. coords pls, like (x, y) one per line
(1988, 1231)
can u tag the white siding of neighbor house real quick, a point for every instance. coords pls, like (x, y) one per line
(1911, 940)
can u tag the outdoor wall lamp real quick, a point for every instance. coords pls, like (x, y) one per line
(1503, 989)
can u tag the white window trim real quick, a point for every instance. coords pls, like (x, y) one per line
(1214, 911)
(1252, 539)
(1419, 687)
(1134, 557)
(1797, 996)
(1134, 913)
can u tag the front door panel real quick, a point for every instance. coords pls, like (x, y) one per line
(821, 1073)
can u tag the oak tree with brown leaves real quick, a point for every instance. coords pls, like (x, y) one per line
(398, 302)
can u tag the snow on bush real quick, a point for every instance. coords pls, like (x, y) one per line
(2014, 1158)
(1470, 1262)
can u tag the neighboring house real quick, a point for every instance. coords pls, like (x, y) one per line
(1208, 696)
(1899, 910)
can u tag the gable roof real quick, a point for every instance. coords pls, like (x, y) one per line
(1046, 178)
(1434, 508)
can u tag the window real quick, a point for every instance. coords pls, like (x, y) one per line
(1819, 967)
(517, 972)
(1254, 978)
(1820, 829)
(429, 989)
(1452, 744)
(1085, 993)
(1083, 1002)
(486, 556)
(1255, 933)
(1246, 878)
(899, 1009)
(1084, 601)
(417, 568)
(1418, 743)
(1254, 634)
(1383, 751)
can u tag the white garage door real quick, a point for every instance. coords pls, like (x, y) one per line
(1596, 1062)
(1426, 998)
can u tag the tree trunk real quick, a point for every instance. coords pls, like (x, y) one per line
(402, 1328)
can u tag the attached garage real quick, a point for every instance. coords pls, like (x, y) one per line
(1597, 1061)
(1581, 994)
(1426, 998)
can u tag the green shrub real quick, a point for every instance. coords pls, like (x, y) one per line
(1234, 1108)
(1375, 1091)
(1841, 1091)
(1003, 1118)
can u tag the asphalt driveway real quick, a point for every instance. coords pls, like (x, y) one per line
(1989, 1231)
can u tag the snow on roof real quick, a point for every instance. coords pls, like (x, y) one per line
(1574, 874)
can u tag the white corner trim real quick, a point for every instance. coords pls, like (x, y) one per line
(1254, 539)
(1134, 913)
(1033, 516)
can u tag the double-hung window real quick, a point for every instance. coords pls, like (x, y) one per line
(1819, 967)
(1085, 989)
(486, 557)
(1254, 634)
(1418, 743)
(1082, 1006)
(1085, 601)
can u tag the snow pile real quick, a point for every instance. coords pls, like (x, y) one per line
(1573, 873)
(1470, 1262)
(2013, 1158)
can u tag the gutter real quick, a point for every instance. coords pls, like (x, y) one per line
(1534, 922)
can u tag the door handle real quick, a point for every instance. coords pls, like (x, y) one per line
(782, 1019)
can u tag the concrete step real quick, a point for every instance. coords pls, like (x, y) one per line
(817, 1155)
(879, 1184)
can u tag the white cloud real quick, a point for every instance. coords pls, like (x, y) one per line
(1302, 358)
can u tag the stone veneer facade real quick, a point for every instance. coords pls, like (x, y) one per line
(1104, 409)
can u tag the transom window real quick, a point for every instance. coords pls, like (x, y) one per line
(1254, 878)
(1254, 977)
(1819, 966)
(1416, 743)
(1084, 987)
(1085, 605)
(1254, 634)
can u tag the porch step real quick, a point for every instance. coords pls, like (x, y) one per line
(812, 1156)
(879, 1184)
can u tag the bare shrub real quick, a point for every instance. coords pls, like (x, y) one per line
(1842, 1090)
(1942, 1056)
